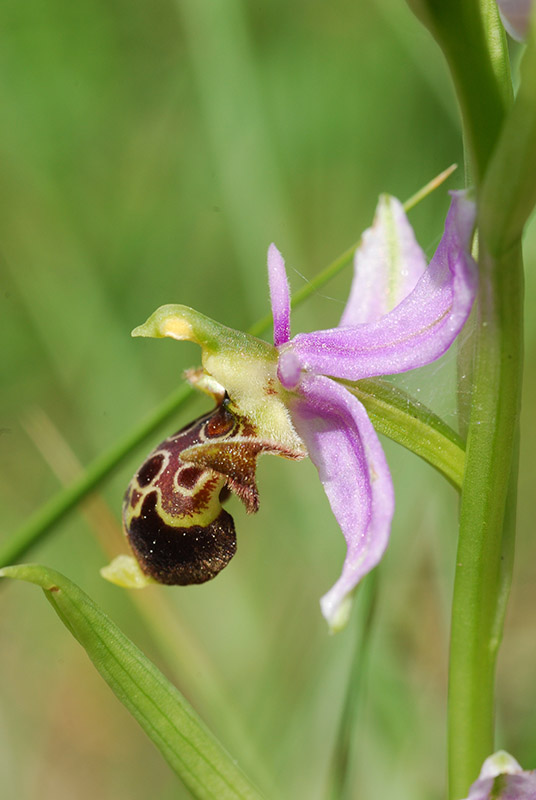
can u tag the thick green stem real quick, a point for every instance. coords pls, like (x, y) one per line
(485, 547)
(500, 156)
(487, 526)
(469, 40)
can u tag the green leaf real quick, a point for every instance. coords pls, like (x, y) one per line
(170, 722)
(408, 422)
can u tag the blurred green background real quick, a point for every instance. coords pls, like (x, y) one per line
(149, 154)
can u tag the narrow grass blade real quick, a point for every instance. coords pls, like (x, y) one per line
(190, 749)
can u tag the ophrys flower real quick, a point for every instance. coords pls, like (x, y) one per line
(295, 398)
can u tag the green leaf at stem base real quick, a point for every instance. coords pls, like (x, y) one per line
(170, 722)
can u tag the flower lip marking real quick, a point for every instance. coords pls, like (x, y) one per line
(181, 556)
(188, 477)
(150, 469)
(172, 513)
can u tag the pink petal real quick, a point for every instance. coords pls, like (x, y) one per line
(418, 330)
(512, 787)
(501, 778)
(279, 295)
(515, 15)
(351, 464)
(387, 265)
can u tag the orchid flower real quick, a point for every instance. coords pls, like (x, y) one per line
(295, 399)
(502, 778)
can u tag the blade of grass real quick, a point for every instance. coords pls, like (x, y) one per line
(58, 506)
(340, 786)
(190, 749)
(219, 42)
(346, 258)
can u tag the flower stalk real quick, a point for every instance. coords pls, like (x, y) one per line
(487, 518)
(471, 30)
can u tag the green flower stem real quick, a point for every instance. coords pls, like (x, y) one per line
(472, 43)
(487, 524)
(403, 419)
(487, 516)
(488, 511)
(501, 142)
(508, 193)
(40, 523)
(190, 749)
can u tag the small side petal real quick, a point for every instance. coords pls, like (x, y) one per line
(351, 464)
(279, 295)
(500, 763)
(387, 265)
(515, 15)
(501, 778)
(417, 331)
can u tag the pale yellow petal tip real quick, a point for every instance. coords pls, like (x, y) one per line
(338, 618)
(141, 330)
(174, 328)
(125, 571)
(500, 763)
(167, 321)
(148, 328)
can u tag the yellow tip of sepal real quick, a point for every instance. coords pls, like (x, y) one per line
(125, 571)
(173, 321)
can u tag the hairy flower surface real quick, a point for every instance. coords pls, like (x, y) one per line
(295, 398)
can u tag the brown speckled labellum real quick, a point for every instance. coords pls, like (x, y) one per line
(172, 511)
